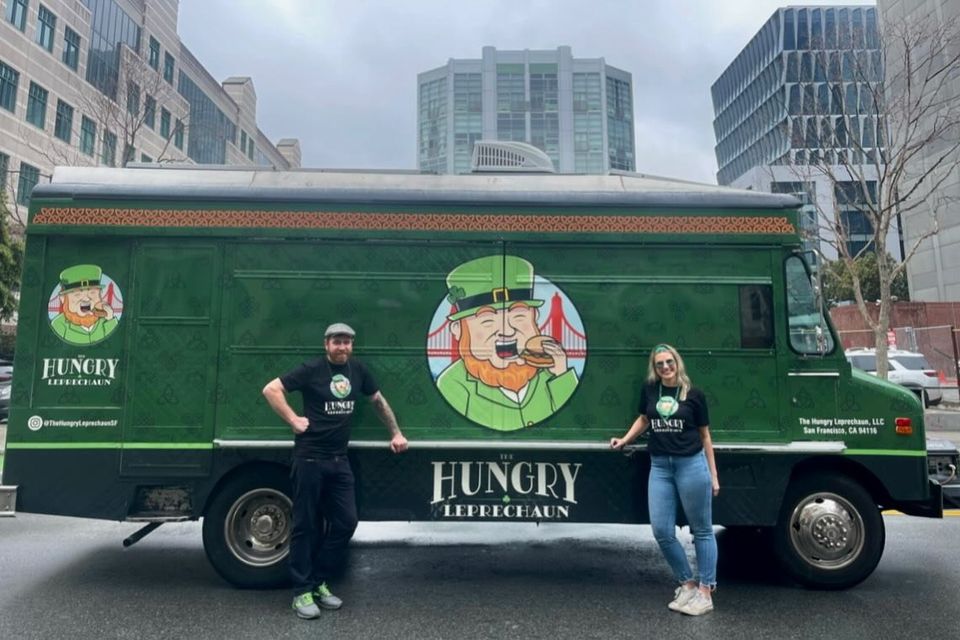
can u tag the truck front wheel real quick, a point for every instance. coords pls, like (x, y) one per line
(830, 533)
(246, 530)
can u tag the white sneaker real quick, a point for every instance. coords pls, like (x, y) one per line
(681, 597)
(698, 605)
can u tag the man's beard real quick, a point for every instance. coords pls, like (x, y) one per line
(86, 321)
(514, 377)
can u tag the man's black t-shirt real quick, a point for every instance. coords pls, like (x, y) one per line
(330, 392)
(677, 435)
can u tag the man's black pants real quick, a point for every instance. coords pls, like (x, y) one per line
(323, 492)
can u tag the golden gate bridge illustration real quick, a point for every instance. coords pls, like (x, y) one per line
(442, 344)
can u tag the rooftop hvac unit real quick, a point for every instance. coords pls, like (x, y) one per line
(507, 156)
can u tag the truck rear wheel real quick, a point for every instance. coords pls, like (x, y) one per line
(246, 531)
(830, 533)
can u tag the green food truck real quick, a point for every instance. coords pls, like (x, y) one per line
(157, 302)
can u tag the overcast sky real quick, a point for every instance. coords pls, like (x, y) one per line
(342, 76)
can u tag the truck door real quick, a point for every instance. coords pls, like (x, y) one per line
(169, 415)
(811, 378)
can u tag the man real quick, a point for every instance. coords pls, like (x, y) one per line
(321, 477)
(495, 382)
(84, 318)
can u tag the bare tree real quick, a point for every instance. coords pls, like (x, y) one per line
(133, 105)
(884, 130)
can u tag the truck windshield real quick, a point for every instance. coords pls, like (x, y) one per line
(808, 330)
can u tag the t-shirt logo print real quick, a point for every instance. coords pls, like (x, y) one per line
(340, 386)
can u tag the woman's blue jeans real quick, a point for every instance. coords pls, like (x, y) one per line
(686, 478)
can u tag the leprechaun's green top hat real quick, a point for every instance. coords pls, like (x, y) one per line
(81, 275)
(492, 281)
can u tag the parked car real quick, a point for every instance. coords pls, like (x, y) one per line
(906, 368)
(6, 377)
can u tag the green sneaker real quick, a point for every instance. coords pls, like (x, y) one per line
(305, 607)
(326, 599)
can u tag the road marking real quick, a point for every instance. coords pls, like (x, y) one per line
(947, 513)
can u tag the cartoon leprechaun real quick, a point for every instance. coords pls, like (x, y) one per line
(509, 376)
(85, 318)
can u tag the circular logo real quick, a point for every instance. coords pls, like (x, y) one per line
(85, 306)
(507, 357)
(340, 386)
(34, 423)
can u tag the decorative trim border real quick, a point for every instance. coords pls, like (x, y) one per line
(202, 218)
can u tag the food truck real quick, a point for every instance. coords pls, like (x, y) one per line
(157, 301)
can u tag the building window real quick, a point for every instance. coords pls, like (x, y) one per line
(88, 135)
(9, 79)
(145, 158)
(133, 99)
(109, 153)
(168, 64)
(63, 126)
(250, 148)
(37, 105)
(178, 135)
(46, 27)
(129, 154)
(243, 140)
(154, 58)
(4, 165)
(17, 13)
(110, 27)
(29, 177)
(71, 48)
(150, 112)
(164, 123)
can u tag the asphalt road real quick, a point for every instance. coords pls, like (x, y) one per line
(69, 578)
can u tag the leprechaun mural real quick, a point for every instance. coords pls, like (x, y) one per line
(85, 316)
(506, 373)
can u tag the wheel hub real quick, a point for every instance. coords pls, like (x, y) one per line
(257, 527)
(827, 531)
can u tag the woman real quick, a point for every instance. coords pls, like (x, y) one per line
(682, 467)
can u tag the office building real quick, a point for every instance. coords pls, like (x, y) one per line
(578, 111)
(106, 82)
(933, 273)
(794, 111)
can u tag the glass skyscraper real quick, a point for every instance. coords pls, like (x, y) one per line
(789, 96)
(578, 111)
(800, 96)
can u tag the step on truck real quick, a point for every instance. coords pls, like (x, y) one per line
(157, 302)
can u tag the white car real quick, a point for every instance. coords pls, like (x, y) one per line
(906, 368)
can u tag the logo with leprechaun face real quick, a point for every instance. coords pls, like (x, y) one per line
(85, 306)
(506, 347)
(340, 386)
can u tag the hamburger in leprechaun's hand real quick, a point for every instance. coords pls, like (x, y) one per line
(537, 352)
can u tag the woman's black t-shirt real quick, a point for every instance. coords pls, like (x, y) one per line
(330, 392)
(679, 434)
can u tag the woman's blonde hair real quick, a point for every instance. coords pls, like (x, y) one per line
(682, 377)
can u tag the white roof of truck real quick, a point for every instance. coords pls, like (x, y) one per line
(165, 182)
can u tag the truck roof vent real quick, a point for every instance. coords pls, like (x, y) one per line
(501, 155)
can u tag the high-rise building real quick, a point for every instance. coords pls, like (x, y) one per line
(578, 111)
(933, 273)
(87, 82)
(799, 99)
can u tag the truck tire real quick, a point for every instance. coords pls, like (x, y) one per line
(830, 533)
(246, 530)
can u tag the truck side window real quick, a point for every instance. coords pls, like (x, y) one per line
(756, 316)
(809, 333)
